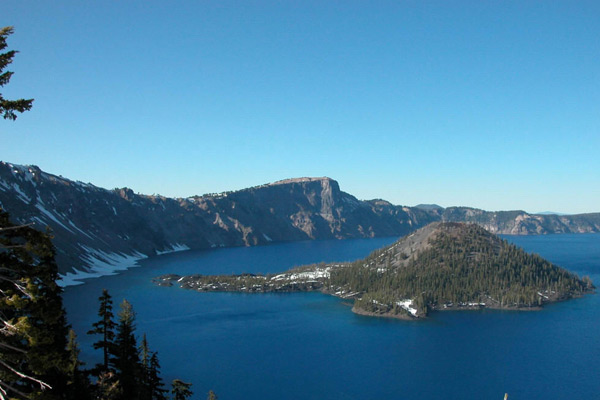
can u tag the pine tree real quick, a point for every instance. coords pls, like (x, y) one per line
(155, 382)
(152, 384)
(145, 353)
(126, 359)
(181, 390)
(108, 387)
(79, 384)
(106, 328)
(144, 357)
(9, 107)
(34, 361)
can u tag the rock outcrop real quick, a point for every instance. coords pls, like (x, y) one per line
(97, 231)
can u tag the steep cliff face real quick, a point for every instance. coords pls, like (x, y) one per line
(306, 208)
(97, 231)
(522, 223)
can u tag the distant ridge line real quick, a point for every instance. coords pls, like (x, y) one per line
(98, 231)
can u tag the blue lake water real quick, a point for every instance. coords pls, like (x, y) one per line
(311, 346)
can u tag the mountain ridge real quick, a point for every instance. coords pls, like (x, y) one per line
(442, 266)
(97, 231)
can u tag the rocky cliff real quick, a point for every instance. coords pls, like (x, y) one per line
(522, 223)
(442, 266)
(97, 231)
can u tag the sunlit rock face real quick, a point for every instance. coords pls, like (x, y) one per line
(97, 231)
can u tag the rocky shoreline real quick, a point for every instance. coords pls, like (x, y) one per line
(404, 317)
(250, 283)
(441, 267)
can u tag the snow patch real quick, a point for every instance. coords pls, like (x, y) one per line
(20, 194)
(406, 304)
(76, 227)
(173, 248)
(52, 217)
(100, 263)
(317, 273)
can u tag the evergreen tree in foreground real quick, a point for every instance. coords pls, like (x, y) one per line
(155, 382)
(106, 328)
(131, 373)
(9, 107)
(126, 358)
(152, 384)
(78, 379)
(144, 357)
(108, 387)
(181, 390)
(34, 361)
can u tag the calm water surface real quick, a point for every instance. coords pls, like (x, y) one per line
(311, 346)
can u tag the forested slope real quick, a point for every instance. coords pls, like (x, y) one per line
(449, 265)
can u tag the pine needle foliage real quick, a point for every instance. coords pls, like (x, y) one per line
(8, 108)
(462, 264)
(34, 360)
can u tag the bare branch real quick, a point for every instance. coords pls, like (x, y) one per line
(10, 228)
(7, 346)
(9, 387)
(43, 385)
(18, 286)
(8, 329)
(16, 246)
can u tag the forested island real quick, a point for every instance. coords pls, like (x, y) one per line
(442, 266)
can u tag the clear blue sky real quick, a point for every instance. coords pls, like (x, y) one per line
(491, 104)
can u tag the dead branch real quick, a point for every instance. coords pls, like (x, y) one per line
(43, 385)
(10, 228)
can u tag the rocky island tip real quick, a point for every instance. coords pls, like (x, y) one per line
(443, 266)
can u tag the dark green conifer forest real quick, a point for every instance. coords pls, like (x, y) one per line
(39, 354)
(33, 350)
(462, 264)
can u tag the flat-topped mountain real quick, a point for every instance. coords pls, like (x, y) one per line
(438, 267)
(97, 231)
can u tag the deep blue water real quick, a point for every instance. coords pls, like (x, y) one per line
(311, 346)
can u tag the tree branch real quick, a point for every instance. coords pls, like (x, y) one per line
(43, 385)
(7, 346)
(9, 387)
(11, 228)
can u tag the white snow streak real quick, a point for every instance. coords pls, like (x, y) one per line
(318, 273)
(20, 194)
(173, 248)
(51, 216)
(406, 304)
(100, 263)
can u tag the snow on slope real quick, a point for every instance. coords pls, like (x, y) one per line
(100, 264)
(31, 196)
